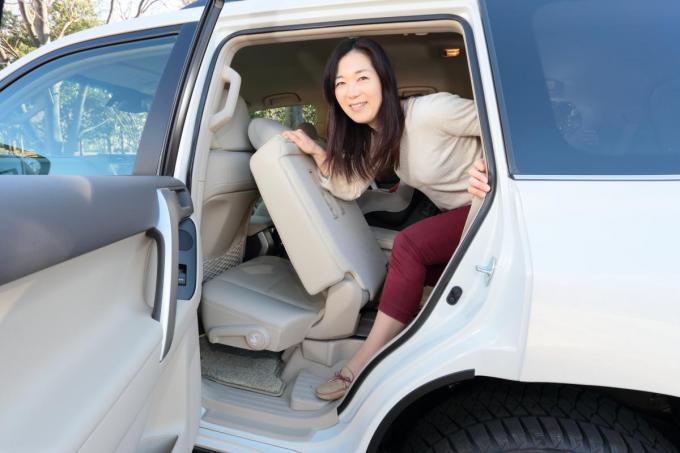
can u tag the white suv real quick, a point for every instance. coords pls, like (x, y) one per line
(173, 277)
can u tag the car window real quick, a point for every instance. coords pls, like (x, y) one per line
(588, 87)
(290, 116)
(82, 114)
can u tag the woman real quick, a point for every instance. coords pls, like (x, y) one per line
(430, 142)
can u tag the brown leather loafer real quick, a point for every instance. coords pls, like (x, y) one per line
(335, 387)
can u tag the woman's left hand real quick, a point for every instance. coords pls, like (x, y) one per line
(478, 184)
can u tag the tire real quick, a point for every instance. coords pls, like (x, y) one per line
(503, 416)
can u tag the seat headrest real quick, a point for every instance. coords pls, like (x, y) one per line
(234, 135)
(261, 130)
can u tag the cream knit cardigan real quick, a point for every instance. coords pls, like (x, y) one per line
(439, 145)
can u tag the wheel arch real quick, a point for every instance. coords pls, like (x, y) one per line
(410, 399)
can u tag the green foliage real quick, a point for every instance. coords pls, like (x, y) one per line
(14, 36)
(289, 116)
(71, 16)
(65, 17)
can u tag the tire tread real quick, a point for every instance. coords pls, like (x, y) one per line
(496, 417)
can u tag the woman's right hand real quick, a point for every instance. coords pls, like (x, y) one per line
(308, 146)
(302, 141)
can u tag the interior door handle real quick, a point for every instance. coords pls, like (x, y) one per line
(165, 232)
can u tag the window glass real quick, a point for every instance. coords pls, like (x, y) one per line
(589, 87)
(81, 114)
(291, 116)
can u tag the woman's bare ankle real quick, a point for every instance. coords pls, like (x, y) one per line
(352, 369)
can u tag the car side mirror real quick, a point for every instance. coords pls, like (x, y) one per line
(15, 161)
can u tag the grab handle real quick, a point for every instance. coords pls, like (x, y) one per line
(165, 233)
(221, 118)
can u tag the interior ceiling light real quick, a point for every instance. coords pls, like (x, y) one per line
(451, 52)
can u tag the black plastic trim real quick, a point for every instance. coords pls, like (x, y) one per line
(157, 127)
(199, 3)
(48, 220)
(454, 295)
(188, 258)
(409, 399)
(88, 45)
(498, 86)
(189, 74)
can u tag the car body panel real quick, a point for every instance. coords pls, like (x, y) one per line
(604, 305)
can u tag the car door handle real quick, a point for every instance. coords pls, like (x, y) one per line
(165, 232)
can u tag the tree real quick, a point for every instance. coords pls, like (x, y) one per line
(37, 22)
(14, 40)
(29, 24)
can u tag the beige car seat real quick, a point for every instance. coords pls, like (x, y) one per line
(386, 201)
(230, 192)
(335, 263)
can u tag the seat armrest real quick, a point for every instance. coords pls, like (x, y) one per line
(385, 201)
(384, 237)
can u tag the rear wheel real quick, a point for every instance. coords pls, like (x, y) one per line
(493, 416)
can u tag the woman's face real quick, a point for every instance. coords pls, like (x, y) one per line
(358, 89)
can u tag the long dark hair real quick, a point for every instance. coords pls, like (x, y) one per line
(356, 149)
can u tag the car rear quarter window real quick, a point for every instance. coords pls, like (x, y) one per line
(84, 113)
(588, 88)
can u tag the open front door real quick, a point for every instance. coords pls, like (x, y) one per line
(98, 272)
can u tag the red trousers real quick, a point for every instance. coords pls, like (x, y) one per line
(419, 255)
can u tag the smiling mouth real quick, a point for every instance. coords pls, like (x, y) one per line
(357, 106)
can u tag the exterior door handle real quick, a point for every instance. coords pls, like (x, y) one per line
(487, 270)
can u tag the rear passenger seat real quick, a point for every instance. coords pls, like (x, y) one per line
(335, 263)
(229, 194)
